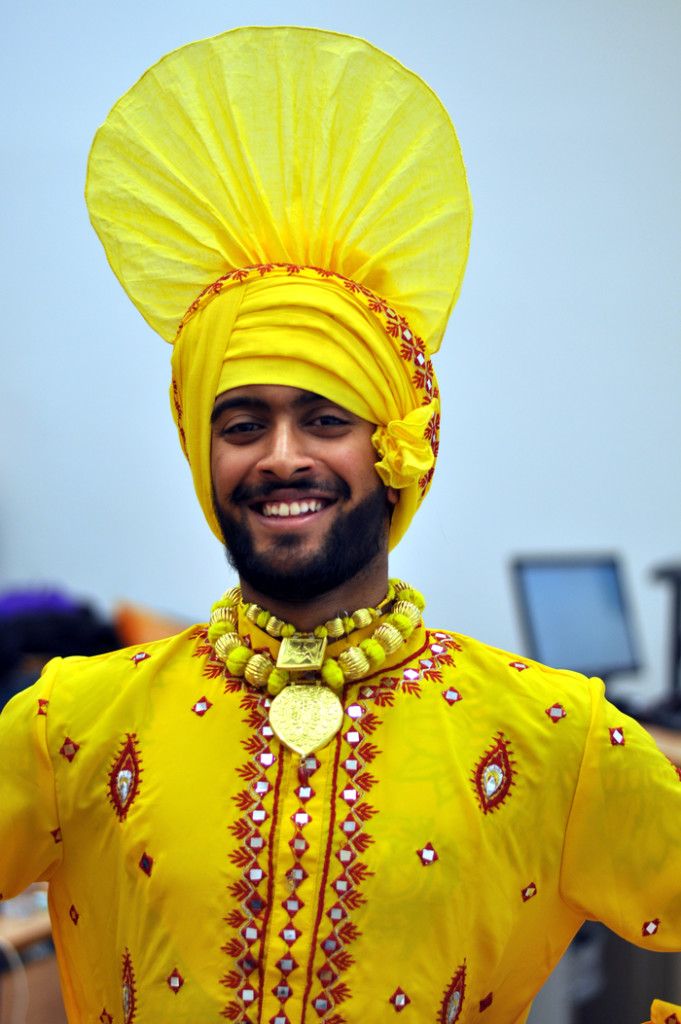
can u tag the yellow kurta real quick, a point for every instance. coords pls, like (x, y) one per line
(433, 861)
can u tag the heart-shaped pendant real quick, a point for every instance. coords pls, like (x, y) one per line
(305, 717)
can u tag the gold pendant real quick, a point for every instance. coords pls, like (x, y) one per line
(305, 717)
(301, 653)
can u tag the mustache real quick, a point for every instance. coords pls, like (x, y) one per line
(265, 490)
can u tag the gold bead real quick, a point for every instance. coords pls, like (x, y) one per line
(258, 669)
(388, 637)
(223, 614)
(400, 585)
(274, 625)
(354, 663)
(408, 609)
(362, 617)
(252, 612)
(226, 643)
(232, 596)
(335, 628)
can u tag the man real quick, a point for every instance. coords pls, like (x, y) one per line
(314, 808)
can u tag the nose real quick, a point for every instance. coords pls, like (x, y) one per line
(286, 454)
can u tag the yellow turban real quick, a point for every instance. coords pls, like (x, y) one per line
(311, 191)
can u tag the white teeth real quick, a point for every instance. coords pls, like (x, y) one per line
(293, 508)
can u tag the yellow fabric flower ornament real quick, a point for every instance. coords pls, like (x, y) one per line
(406, 448)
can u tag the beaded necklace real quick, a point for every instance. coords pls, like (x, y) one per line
(306, 711)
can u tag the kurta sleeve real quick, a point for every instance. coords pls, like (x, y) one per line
(30, 839)
(622, 854)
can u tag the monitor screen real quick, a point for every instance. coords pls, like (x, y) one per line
(574, 614)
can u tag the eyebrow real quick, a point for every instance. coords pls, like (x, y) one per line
(251, 402)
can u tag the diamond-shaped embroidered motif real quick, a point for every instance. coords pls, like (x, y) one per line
(140, 656)
(304, 793)
(280, 1018)
(56, 834)
(201, 707)
(250, 934)
(247, 963)
(354, 711)
(289, 934)
(299, 846)
(437, 649)
(266, 759)
(487, 1001)
(650, 927)
(671, 1019)
(346, 855)
(452, 696)
(286, 964)
(301, 819)
(556, 712)
(256, 904)
(349, 795)
(321, 1004)
(519, 666)
(68, 749)
(42, 705)
(105, 1018)
(528, 892)
(146, 863)
(331, 945)
(292, 905)
(336, 913)
(327, 975)
(399, 999)
(296, 875)
(341, 885)
(411, 675)
(351, 764)
(73, 914)
(352, 738)
(258, 815)
(248, 995)
(175, 981)
(617, 737)
(428, 854)
(282, 991)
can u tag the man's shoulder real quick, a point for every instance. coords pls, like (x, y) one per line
(137, 660)
(494, 667)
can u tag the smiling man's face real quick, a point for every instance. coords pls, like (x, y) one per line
(300, 504)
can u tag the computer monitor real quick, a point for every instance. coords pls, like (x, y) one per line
(574, 613)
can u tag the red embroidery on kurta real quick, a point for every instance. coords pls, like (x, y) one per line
(42, 705)
(252, 891)
(201, 707)
(146, 863)
(69, 749)
(138, 657)
(556, 712)
(452, 696)
(105, 1018)
(428, 854)
(519, 666)
(528, 892)
(73, 914)
(650, 927)
(487, 1001)
(56, 834)
(494, 775)
(617, 737)
(124, 777)
(399, 999)
(671, 1019)
(175, 981)
(452, 1004)
(129, 990)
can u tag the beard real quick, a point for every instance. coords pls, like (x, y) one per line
(283, 574)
